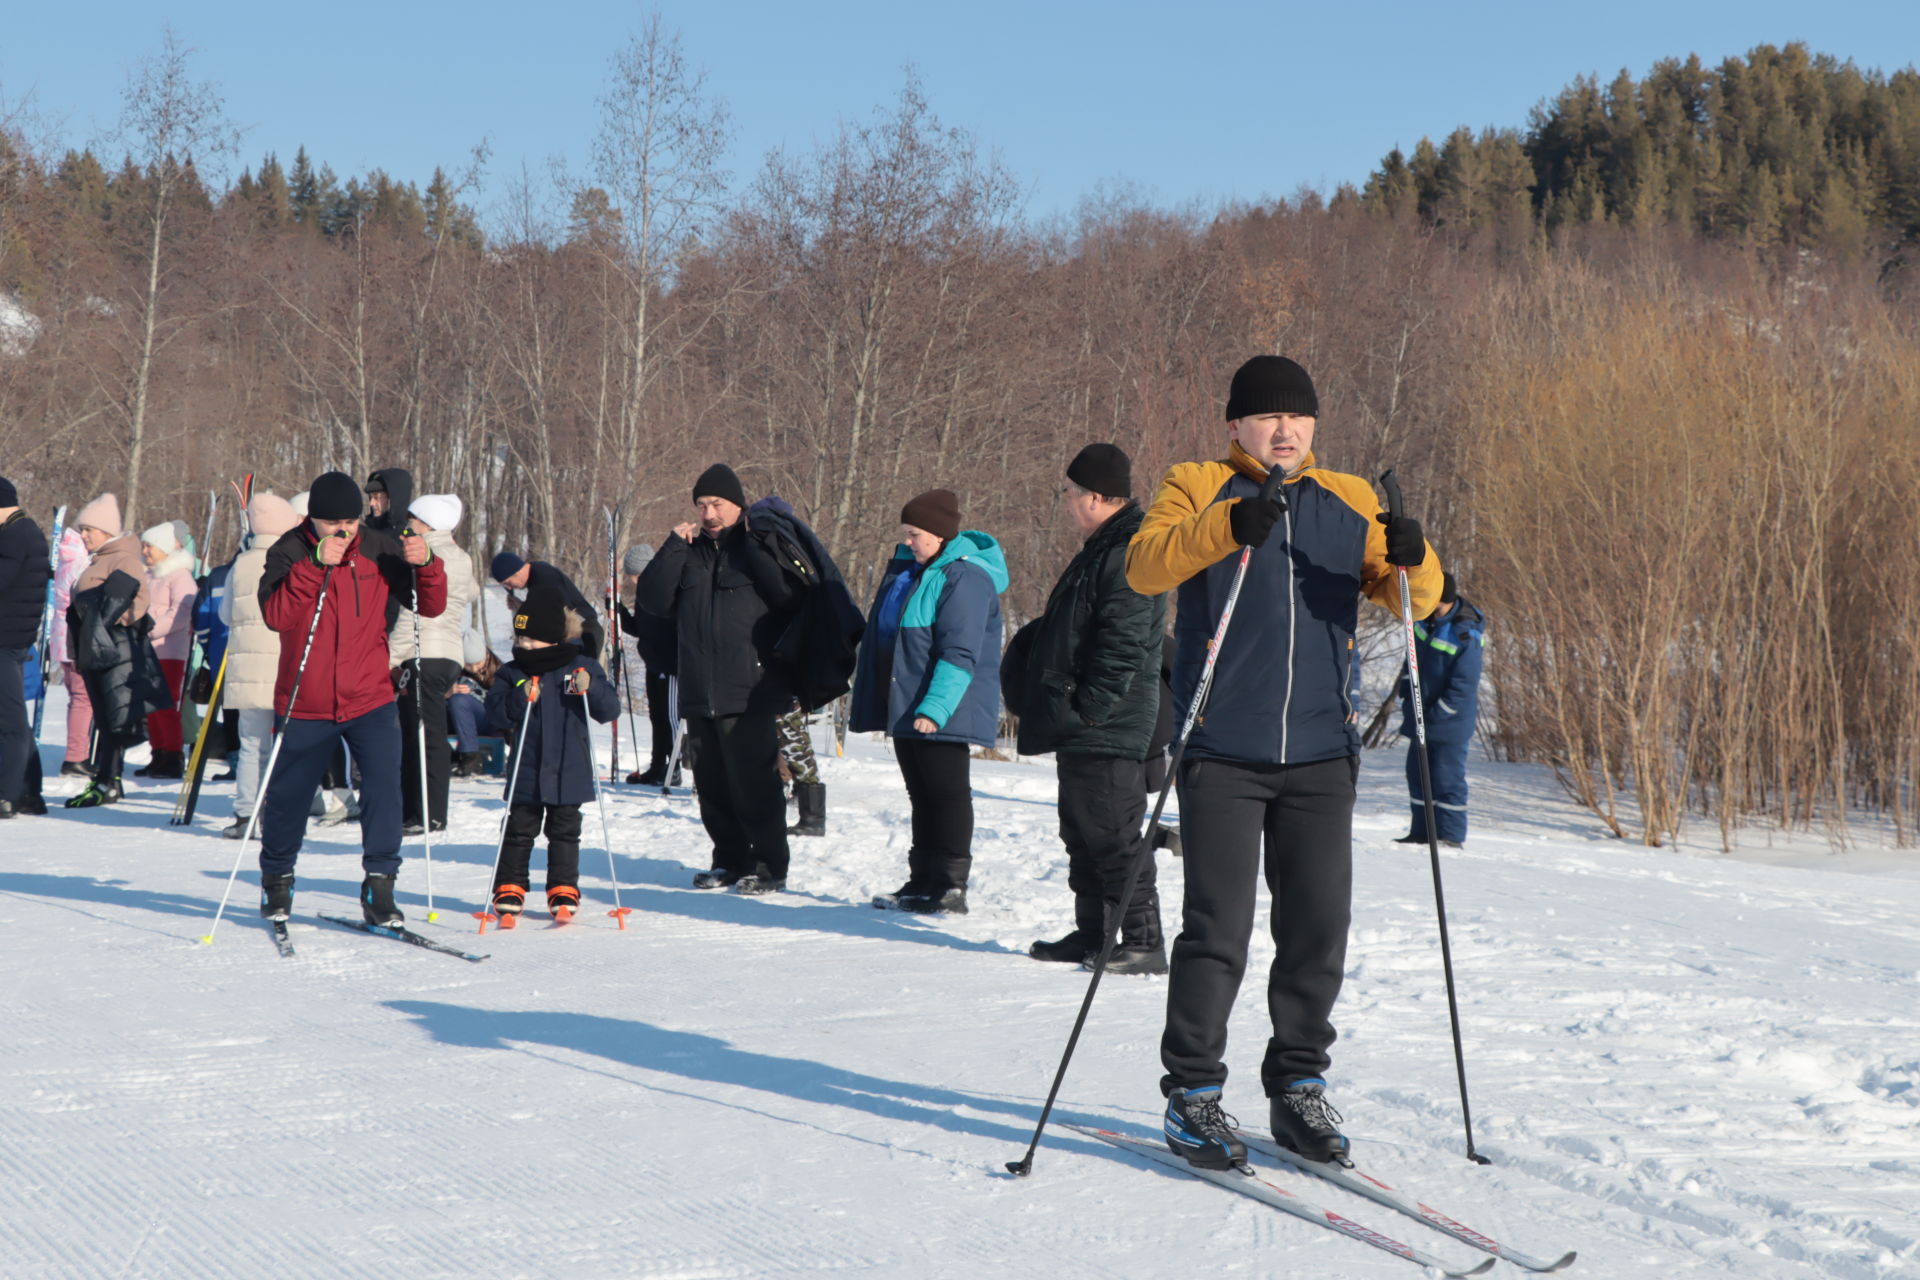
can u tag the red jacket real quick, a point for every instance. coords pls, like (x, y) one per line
(347, 674)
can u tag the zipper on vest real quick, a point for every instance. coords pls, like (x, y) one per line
(1286, 707)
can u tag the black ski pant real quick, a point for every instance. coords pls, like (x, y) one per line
(306, 748)
(659, 719)
(940, 788)
(436, 682)
(1103, 800)
(19, 754)
(737, 772)
(524, 821)
(1303, 816)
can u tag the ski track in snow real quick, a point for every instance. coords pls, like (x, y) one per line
(1682, 1065)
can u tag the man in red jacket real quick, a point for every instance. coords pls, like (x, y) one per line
(344, 584)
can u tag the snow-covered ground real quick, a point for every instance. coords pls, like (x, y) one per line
(1681, 1064)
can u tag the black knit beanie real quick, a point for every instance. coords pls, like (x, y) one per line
(376, 483)
(9, 496)
(543, 616)
(1449, 589)
(718, 481)
(334, 496)
(937, 511)
(1271, 384)
(1104, 469)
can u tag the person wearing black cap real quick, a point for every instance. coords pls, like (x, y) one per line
(1267, 779)
(929, 676)
(730, 601)
(389, 496)
(1084, 678)
(520, 576)
(1451, 644)
(549, 779)
(345, 693)
(25, 570)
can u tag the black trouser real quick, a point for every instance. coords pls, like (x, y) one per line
(1102, 802)
(736, 769)
(941, 792)
(19, 754)
(1304, 814)
(660, 718)
(436, 682)
(563, 845)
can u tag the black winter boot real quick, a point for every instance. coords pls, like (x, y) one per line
(813, 809)
(376, 902)
(715, 878)
(1141, 949)
(1305, 1122)
(1076, 948)
(276, 896)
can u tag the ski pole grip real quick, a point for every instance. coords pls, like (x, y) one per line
(1396, 505)
(1271, 485)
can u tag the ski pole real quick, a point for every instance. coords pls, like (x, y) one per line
(1020, 1168)
(532, 685)
(619, 913)
(1394, 509)
(279, 736)
(679, 731)
(45, 638)
(420, 726)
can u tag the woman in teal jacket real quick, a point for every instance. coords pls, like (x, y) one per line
(929, 674)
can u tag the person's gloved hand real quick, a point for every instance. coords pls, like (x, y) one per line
(580, 681)
(1406, 544)
(1252, 520)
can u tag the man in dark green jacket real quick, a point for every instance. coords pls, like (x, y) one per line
(1089, 682)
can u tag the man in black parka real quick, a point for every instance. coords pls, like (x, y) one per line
(24, 571)
(731, 602)
(1090, 693)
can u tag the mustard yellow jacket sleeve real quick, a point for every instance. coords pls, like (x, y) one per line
(1185, 530)
(1378, 581)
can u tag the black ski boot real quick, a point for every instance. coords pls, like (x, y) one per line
(377, 905)
(813, 809)
(1306, 1123)
(761, 881)
(715, 878)
(1199, 1132)
(1076, 948)
(951, 903)
(1142, 949)
(97, 793)
(276, 896)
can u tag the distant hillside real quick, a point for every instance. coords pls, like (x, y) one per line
(1783, 146)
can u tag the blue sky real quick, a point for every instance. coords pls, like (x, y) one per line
(1194, 102)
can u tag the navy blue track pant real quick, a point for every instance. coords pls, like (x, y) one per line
(305, 753)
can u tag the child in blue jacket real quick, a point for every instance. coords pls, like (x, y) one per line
(550, 776)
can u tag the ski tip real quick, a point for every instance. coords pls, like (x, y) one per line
(1485, 1266)
(1561, 1264)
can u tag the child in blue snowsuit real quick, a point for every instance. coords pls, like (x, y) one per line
(550, 776)
(1451, 645)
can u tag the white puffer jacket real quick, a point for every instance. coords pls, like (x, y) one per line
(444, 636)
(253, 647)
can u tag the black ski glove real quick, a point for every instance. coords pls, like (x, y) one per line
(1406, 544)
(1252, 520)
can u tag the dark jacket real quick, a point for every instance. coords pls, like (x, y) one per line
(821, 645)
(26, 568)
(1452, 650)
(399, 484)
(593, 635)
(121, 670)
(553, 765)
(347, 674)
(730, 603)
(1282, 677)
(653, 636)
(945, 659)
(207, 627)
(1091, 676)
